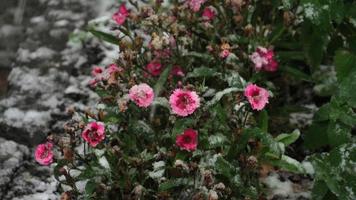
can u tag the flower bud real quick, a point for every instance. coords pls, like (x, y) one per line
(213, 195)
(66, 196)
(208, 178)
(248, 30)
(220, 186)
(63, 171)
(68, 154)
(137, 192)
(252, 162)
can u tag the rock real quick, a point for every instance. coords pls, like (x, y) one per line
(21, 177)
(12, 156)
(44, 75)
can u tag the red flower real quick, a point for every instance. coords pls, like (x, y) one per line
(96, 71)
(44, 153)
(121, 15)
(94, 133)
(208, 14)
(188, 140)
(154, 67)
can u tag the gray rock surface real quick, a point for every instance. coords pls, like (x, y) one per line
(20, 177)
(42, 73)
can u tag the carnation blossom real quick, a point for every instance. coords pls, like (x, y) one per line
(224, 53)
(44, 153)
(94, 133)
(142, 95)
(208, 14)
(195, 4)
(96, 71)
(264, 60)
(113, 68)
(121, 15)
(154, 67)
(188, 140)
(177, 71)
(257, 96)
(93, 83)
(184, 102)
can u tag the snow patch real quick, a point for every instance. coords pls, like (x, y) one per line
(284, 189)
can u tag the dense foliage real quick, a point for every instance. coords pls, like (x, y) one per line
(199, 99)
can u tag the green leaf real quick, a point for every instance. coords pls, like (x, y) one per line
(288, 163)
(162, 101)
(347, 89)
(263, 121)
(220, 94)
(234, 79)
(296, 73)
(338, 134)
(90, 187)
(217, 140)
(88, 173)
(336, 169)
(315, 42)
(204, 57)
(181, 124)
(319, 190)
(316, 136)
(344, 63)
(171, 184)
(104, 36)
(288, 139)
(271, 147)
(202, 72)
(162, 80)
(60, 163)
(228, 170)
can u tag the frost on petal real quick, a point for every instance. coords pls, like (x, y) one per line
(44, 153)
(142, 95)
(208, 14)
(94, 133)
(121, 15)
(195, 4)
(184, 102)
(264, 59)
(154, 68)
(188, 140)
(257, 96)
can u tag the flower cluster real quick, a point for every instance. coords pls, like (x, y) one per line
(100, 74)
(264, 60)
(179, 109)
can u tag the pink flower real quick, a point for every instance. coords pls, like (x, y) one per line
(224, 53)
(257, 96)
(184, 102)
(121, 15)
(264, 60)
(208, 14)
(44, 153)
(96, 71)
(93, 83)
(94, 133)
(113, 68)
(188, 140)
(162, 54)
(195, 4)
(154, 67)
(177, 71)
(142, 95)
